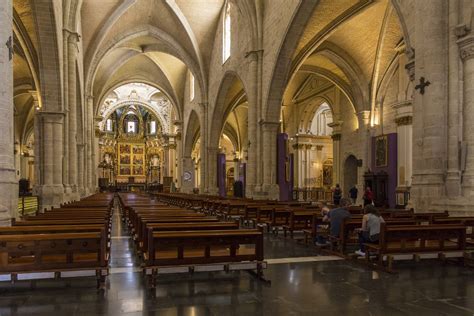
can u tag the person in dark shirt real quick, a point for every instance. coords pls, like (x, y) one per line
(336, 216)
(353, 194)
(337, 195)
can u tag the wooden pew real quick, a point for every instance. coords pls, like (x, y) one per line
(416, 242)
(54, 255)
(194, 251)
(143, 243)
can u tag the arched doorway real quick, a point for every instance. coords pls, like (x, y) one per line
(350, 174)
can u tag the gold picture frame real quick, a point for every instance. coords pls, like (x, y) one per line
(381, 151)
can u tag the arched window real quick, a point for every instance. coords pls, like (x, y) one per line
(108, 125)
(191, 87)
(131, 123)
(153, 127)
(226, 34)
(321, 119)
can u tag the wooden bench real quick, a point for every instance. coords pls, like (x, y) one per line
(417, 241)
(34, 256)
(195, 251)
(188, 226)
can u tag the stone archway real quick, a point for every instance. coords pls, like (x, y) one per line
(350, 174)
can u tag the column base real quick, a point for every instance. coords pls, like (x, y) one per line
(424, 190)
(8, 197)
(51, 196)
(458, 206)
(268, 192)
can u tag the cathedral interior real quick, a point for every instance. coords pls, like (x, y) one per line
(170, 146)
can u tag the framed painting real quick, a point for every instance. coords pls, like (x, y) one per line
(381, 151)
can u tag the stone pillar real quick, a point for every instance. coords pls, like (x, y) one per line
(269, 186)
(179, 154)
(253, 148)
(96, 158)
(8, 185)
(212, 170)
(89, 144)
(80, 169)
(236, 169)
(466, 46)
(336, 139)
(172, 161)
(188, 176)
(203, 163)
(429, 109)
(297, 165)
(72, 39)
(51, 188)
(404, 119)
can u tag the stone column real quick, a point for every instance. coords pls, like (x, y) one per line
(236, 169)
(269, 185)
(253, 148)
(404, 119)
(429, 109)
(466, 46)
(80, 169)
(51, 188)
(72, 39)
(96, 158)
(336, 139)
(188, 175)
(172, 161)
(297, 165)
(8, 185)
(179, 153)
(204, 163)
(212, 170)
(90, 144)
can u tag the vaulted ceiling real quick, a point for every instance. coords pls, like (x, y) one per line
(154, 41)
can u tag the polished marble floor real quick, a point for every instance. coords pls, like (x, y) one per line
(302, 283)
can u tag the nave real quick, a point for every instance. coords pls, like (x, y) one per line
(304, 281)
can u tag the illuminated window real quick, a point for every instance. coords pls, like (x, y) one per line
(108, 125)
(153, 127)
(131, 127)
(191, 87)
(226, 34)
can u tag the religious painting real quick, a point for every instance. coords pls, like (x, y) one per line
(124, 148)
(131, 159)
(137, 150)
(381, 151)
(327, 175)
(125, 159)
(124, 170)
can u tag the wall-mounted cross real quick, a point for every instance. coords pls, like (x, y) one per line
(422, 85)
(9, 44)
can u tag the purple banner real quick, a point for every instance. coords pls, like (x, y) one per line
(221, 174)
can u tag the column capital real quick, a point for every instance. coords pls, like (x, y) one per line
(319, 147)
(364, 117)
(72, 36)
(336, 136)
(404, 120)
(466, 47)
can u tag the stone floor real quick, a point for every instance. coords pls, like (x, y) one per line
(302, 283)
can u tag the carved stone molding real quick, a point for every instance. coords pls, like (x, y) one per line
(466, 47)
(319, 147)
(404, 120)
(410, 68)
(336, 137)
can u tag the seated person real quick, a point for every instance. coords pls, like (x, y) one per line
(335, 217)
(370, 230)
